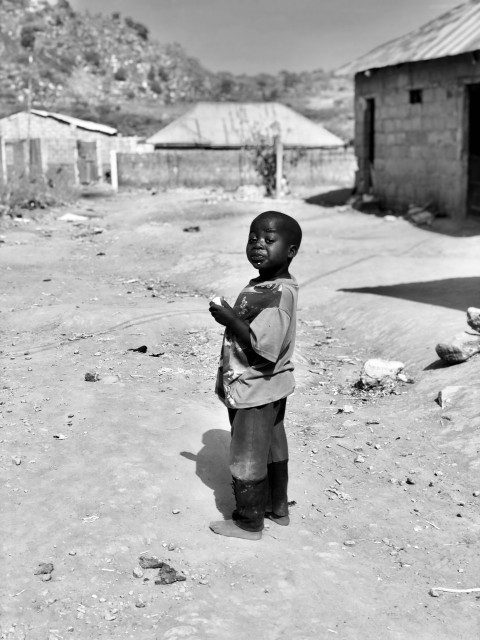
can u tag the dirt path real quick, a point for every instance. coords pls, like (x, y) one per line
(97, 473)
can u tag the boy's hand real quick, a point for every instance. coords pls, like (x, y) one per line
(222, 313)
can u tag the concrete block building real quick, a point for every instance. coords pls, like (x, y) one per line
(75, 145)
(417, 116)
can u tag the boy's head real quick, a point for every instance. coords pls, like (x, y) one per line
(273, 242)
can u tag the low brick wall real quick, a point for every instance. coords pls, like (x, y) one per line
(229, 169)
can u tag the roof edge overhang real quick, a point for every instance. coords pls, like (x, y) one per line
(474, 55)
(186, 147)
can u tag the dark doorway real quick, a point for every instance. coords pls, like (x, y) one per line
(474, 150)
(369, 129)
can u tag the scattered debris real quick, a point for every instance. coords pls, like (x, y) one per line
(168, 575)
(142, 349)
(313, 323)
(44, 568)
(149, 562)
(72, 217)
(420, 216)
(381, 374)
(434, 591)
(346, 409)
(91, 518)
(92, 377)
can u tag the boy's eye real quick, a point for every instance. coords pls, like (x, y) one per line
(269, 240)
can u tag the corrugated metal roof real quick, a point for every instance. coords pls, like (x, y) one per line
(234, 124)
(76, 122)
(452, 33)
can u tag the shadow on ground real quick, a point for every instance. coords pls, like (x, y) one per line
(334, 198)
(446, 226)
(453, 293)
(212, 468)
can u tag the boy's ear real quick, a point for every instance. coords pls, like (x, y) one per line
(292, 251)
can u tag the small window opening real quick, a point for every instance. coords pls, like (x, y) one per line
(416, 96)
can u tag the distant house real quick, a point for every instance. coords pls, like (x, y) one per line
(233, 125)
(417, 116)
(47, 124)
(64, 141)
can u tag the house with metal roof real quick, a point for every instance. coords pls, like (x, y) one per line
(233, 125)
(37, 123)
(417, 116)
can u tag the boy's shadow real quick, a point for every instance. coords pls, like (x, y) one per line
(212, 468)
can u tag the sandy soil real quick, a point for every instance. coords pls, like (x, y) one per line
(97, 473)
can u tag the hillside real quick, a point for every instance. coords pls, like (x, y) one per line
(107, 68)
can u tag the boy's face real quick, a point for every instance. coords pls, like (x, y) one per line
(269, 248)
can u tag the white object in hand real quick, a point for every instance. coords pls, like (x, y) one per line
(217, 300)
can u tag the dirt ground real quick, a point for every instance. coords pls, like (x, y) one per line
(96, 473)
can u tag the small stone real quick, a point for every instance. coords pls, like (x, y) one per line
(463, 346)
(72, 552)
(110, 616)
(359, 459)
(70, 629)
(475, 494)
(16, 460)
(137, 572)
(445, 396)
(139, 603)
(44, 568)
(59, 436)
(410, 481)
(349, 543)
(47, 577)
(473, 318)
(175, 511)
(92, 377)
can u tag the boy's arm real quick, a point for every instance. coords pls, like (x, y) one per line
(225, 315)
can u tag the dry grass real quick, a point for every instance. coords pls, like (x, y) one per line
(27, 192)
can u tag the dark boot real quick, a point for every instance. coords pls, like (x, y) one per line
(250, 500)
(277, 508)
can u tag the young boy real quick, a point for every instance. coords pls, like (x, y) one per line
(255, 376)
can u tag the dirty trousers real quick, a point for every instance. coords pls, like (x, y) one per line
(259, 463)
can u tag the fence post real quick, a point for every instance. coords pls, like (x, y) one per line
(99, 161)
(76, 172)
(114, 169)
(36, 159)
(279, 165)
(3, 162)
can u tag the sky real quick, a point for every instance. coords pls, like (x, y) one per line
(254, 36)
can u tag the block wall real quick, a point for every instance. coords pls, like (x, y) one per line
(229, 169)
(421, 149)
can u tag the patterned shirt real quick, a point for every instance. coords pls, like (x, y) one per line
(263, 372)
